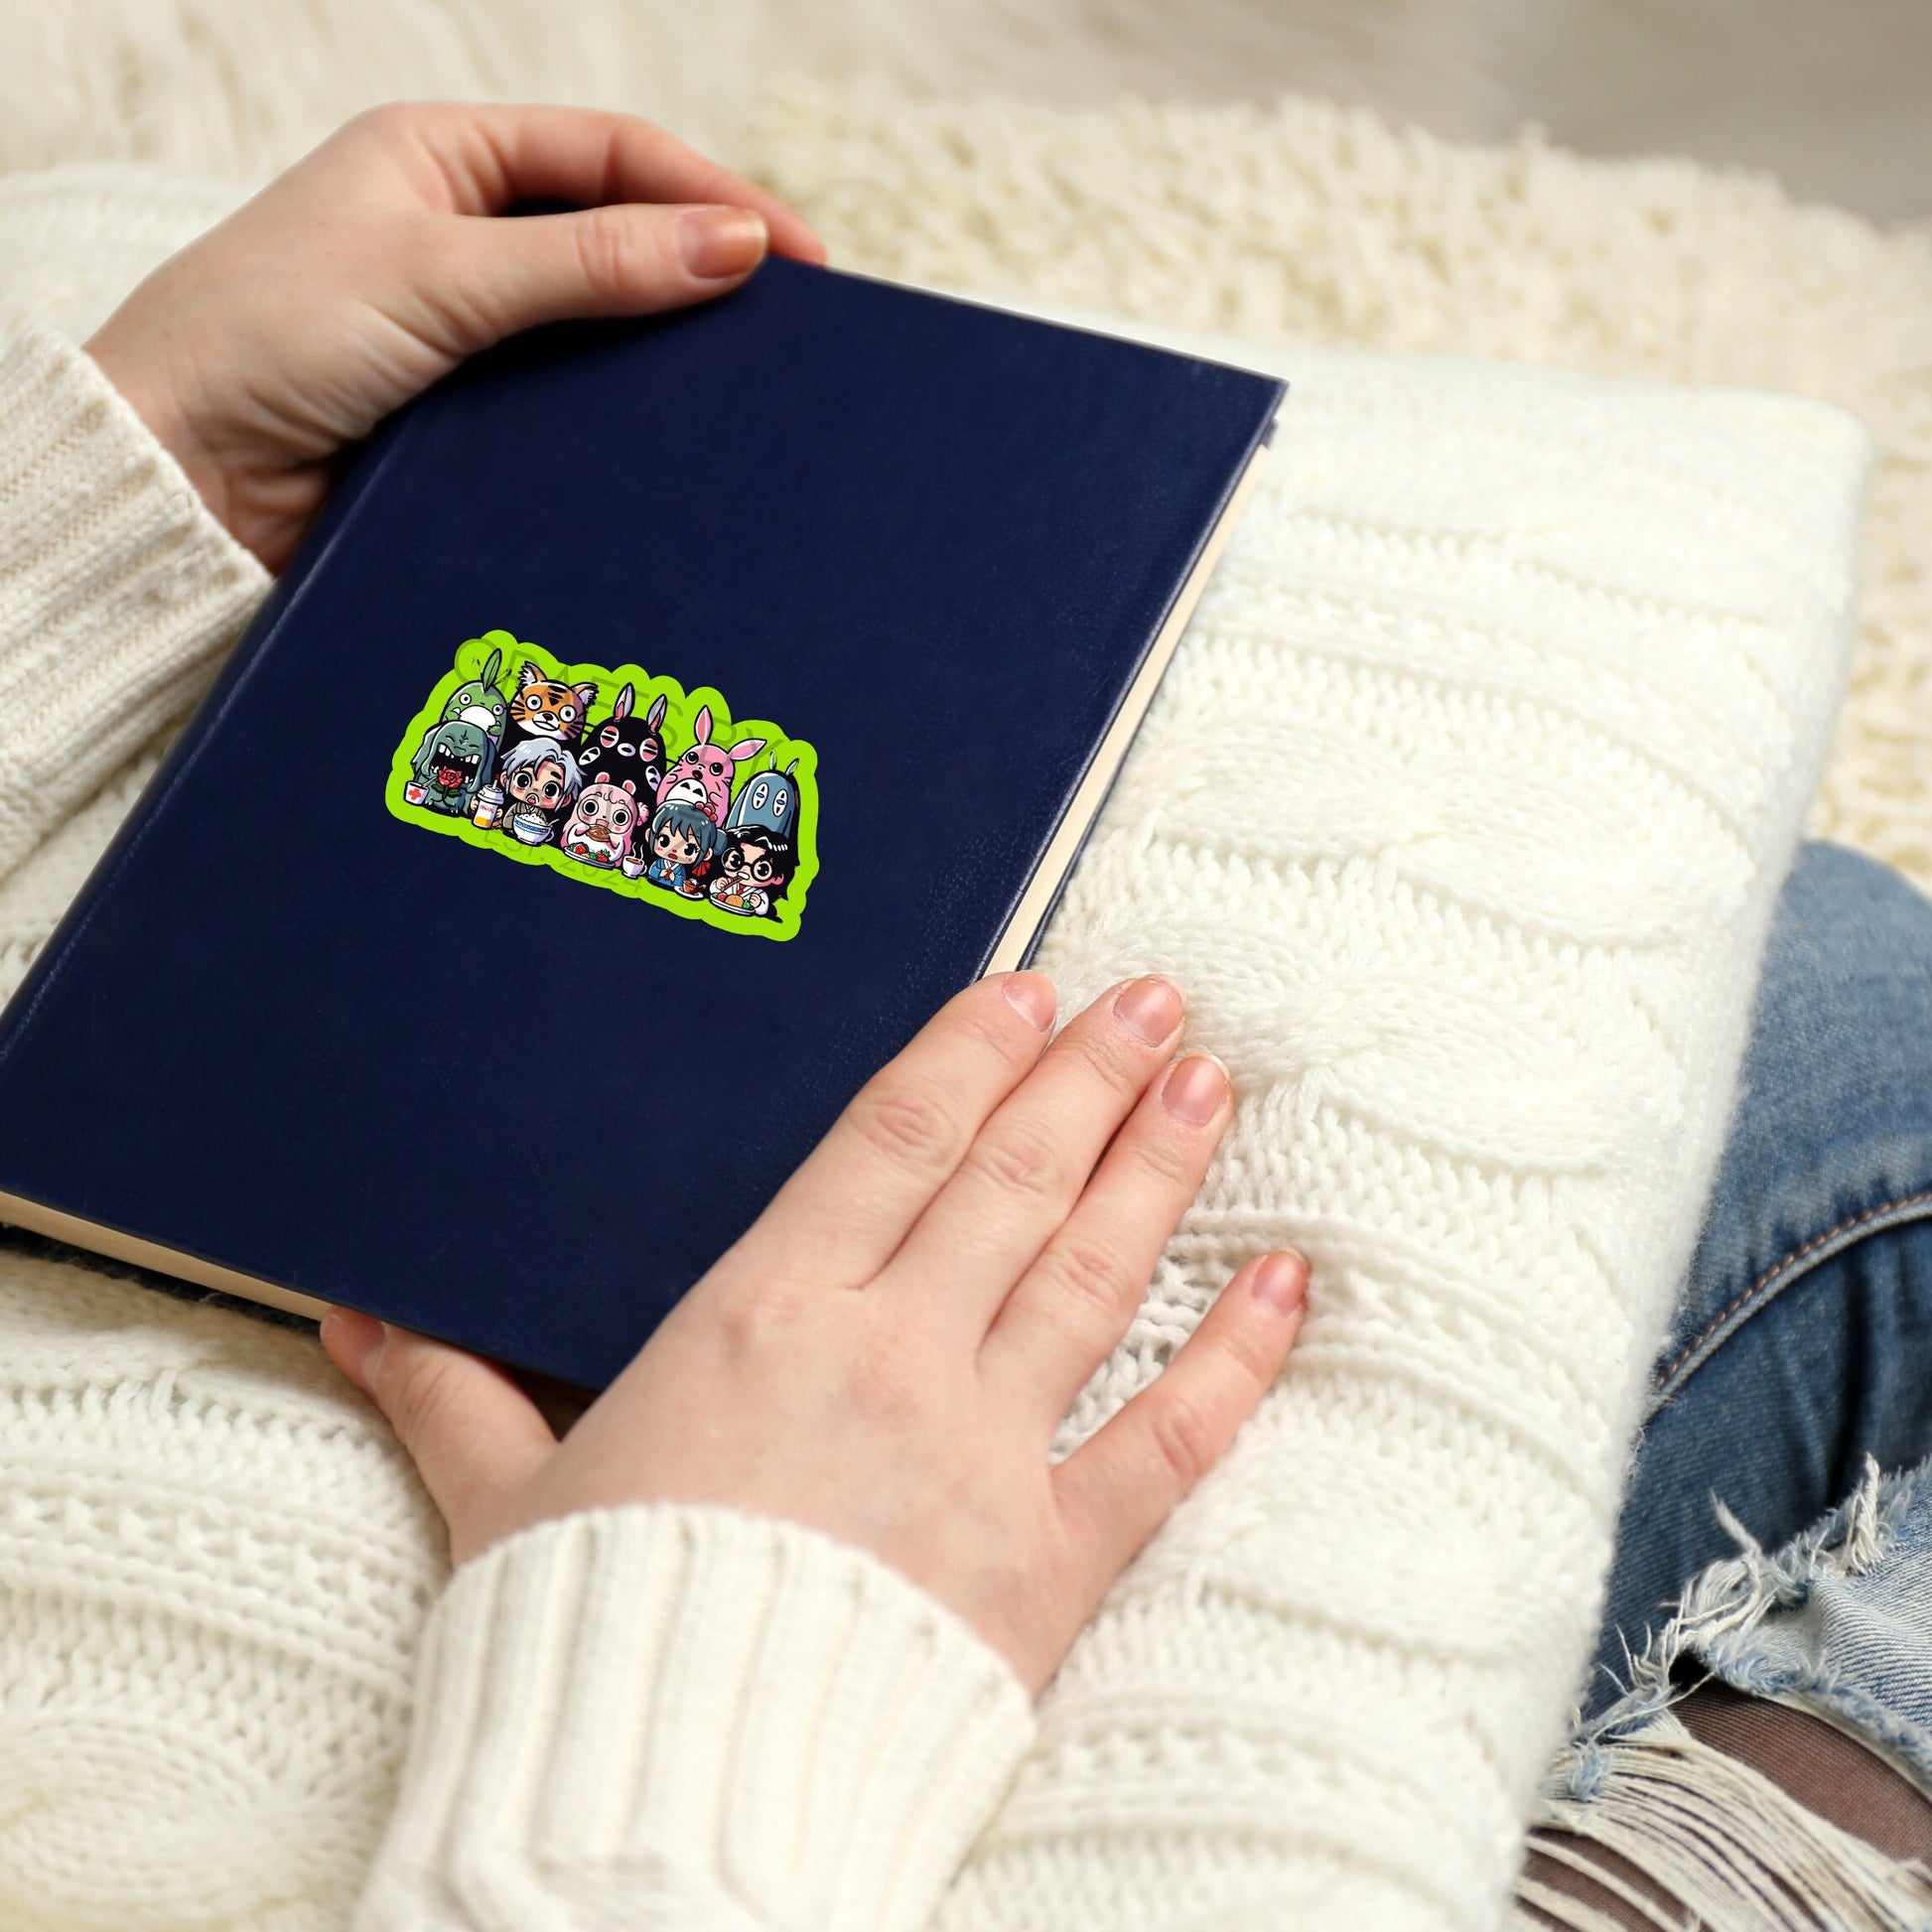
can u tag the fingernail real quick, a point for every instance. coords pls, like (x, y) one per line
(357, 1342)
(1195, 1090)
(1032, 995)
(1280, 1282)
(1152, 1008)
(719, 242)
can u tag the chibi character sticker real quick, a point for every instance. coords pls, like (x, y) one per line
(769, 799)
(479, 702)
(503, 756)
(624, 747)
(541, 782)
(598, 828)
(753, 875)
(680, 839)
(702, 776)
(452, 765)
(547, 707)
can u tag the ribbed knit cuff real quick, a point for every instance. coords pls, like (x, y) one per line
(691, 1717)
(117, 587)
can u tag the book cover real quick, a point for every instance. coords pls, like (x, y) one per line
(663, 721)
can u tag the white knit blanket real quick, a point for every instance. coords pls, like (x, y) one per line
(1461, 815)
(1310, 223)
(1304, 220)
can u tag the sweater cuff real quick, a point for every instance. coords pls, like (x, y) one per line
(117, 587)
(737, 1720)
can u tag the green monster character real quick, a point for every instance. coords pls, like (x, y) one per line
(454, 765)
(479, 703)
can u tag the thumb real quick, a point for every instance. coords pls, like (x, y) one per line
(471, 1433)
(624, 258)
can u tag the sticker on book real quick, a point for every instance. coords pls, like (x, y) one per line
(615, 780)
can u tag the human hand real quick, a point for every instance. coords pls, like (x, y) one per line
(373, 267)
(886, 1353)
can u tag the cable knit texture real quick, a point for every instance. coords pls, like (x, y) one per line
(1304, 219)
(1461, 815)
(1312, 222)
(105, 550)
(684, 1718)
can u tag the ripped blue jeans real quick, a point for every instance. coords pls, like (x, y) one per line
(1801, 1351)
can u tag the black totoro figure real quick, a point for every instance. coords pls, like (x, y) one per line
(624, 748)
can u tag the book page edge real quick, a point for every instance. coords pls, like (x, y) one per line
(78, 1232)
(1078, 821)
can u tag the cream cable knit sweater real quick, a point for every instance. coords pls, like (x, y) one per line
(1462, 814)
(673, 1716)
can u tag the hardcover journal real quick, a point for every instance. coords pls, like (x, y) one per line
(663, 721)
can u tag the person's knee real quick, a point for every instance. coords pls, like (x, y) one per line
(1840, 1048)
(1841, 908)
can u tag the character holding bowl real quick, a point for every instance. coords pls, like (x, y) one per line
(541, 782)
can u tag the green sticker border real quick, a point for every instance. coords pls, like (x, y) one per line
(681, 710)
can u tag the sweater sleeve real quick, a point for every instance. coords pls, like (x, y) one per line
(118, 590)
(671, 1716)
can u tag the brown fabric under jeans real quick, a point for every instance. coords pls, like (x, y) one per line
(1829, 1772)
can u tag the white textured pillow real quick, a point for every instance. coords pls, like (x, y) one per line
(1460, 815)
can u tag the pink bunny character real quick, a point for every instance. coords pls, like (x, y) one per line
(703, 775)
(600, 828)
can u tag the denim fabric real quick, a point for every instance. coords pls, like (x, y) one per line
(1841, 1619)
(1803, 1337)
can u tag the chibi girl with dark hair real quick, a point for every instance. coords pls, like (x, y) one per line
(680, 843)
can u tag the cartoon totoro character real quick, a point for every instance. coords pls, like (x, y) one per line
(624, 747)
(768, 801)
(479, 703)
(703, 775)
(454, 765)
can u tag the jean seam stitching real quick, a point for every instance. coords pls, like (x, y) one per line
(1790, 1258)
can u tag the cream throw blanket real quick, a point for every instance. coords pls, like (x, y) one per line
(1311, 222)
(1461, 815)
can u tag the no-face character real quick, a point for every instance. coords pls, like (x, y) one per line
(597, 831)
(624, 747)
(540, 780)
(752, 878)
(452, 765)
(479, 703)
(680, 839)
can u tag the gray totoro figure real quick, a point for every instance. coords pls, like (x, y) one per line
(455, 765)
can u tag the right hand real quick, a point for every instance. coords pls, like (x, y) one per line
(886, 1353)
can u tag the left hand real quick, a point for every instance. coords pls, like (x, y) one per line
(374, 265)
(885, 1355)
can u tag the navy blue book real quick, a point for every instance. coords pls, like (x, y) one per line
(661, 722)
